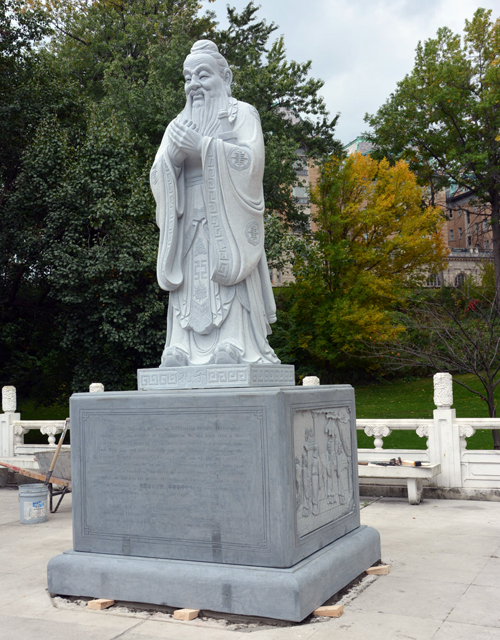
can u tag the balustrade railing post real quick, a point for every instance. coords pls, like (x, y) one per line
(310, 381)
(444, 436)
(378, 431)
(9, 415)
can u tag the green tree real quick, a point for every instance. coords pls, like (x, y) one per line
(88, 256)
(444, 117)
(292, 111)
(373, 242)
(79, 299)
(128, 57)
(455, 330)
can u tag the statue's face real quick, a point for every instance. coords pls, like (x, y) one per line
(203, 79)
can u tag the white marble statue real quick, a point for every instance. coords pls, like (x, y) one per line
(207, 183)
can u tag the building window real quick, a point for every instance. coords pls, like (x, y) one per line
(486, 245)
(476, 228)
(450, 214)
(485, 225)
(300, 167)
(300, 195)
(433, 281)
(469, 241)
(460, 232)
(451, 234)
(459, 280)
(468, 218)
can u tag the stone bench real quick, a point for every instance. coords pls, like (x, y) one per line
(414, 476)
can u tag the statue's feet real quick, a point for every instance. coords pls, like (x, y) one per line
(173, 357)
(225, 353)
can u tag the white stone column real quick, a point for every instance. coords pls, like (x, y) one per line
(7, 418)
(444, 437)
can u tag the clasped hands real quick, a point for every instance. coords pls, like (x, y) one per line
(184, 140)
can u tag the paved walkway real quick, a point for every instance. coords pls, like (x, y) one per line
(444, 583)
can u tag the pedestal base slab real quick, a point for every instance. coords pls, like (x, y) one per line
(216, 376)
(286, 594)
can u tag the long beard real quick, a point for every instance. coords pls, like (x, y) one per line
(204, 112)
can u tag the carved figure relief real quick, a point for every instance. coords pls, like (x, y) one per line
(332, 480)
(298, 473)
(323, 466)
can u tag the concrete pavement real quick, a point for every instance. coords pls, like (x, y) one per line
(444, 583)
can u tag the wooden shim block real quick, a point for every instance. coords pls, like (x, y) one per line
(379, 570)
(331, 611)
(186, 614)
(100, 603)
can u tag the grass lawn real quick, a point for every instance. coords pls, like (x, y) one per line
(392, 400)
(415, 400)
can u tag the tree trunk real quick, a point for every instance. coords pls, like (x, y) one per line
(492, 410)
(495, 226)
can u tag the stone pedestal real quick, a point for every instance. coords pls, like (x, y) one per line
(239, 500)
(216, 376)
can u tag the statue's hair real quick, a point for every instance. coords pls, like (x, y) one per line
(210, 48)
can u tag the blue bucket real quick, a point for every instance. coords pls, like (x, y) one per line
(33, 503)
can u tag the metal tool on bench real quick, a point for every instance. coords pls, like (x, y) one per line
(396, 462)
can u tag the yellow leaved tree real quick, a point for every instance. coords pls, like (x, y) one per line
(373, 240)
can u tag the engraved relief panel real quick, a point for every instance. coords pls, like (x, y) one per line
(323, 467)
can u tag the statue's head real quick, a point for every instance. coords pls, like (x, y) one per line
(206, 72)
(208, 86)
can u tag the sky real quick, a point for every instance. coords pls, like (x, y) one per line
(359, 48)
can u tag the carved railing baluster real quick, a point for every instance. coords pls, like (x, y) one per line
(378, 431)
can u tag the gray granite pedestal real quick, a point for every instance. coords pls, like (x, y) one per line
(236, 500)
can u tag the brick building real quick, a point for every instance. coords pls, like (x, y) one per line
(466, 230)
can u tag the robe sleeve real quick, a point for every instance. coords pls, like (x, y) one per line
(167, 184)
(232, 173)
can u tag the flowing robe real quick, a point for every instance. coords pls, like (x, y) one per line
(211, 253)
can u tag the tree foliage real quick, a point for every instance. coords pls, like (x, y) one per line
(88, 89)
(444, 117)
(83, 271)
(373, 240)
(455, 330)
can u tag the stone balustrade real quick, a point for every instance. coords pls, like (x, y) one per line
(13, 429)
(445, 435)
(446, 443)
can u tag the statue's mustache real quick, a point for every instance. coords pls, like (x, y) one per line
(196, 93)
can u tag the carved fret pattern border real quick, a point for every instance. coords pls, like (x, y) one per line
(171, 213)
(213, 376)
(223, 252)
